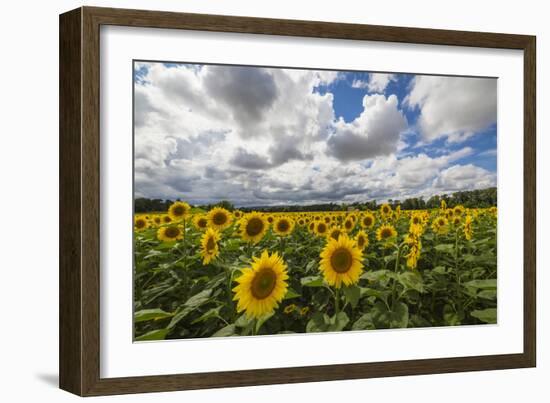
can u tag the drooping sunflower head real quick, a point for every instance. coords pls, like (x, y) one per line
(170, 233)
(140, 223)
(367, 221)
(253, 227)
(341, 261)
(179, 210)
(321, 228)
(200, 221)
(362, 240)
(283, 226)
(386, 233)
(209, 245)
(219, 218)
(262, 286)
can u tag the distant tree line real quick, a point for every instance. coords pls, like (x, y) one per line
(472, 198)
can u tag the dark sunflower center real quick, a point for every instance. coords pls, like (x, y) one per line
(386, 233)
(322, 228)
(367, 221)
(172, 232)
(341, 260)
(157, 220)
(263, 283)
(140, 223)
(416, 220)
(254, 226)
(210, 245)
(361, 241)
(441, 222)
(335, 234)
(178, 211)
(348, 224)
(219, 218)
(386, 210)
(327, 219)
(283, 226)
(202, 222)
(270, 219)
(167, 219)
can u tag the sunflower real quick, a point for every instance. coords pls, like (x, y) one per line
(362, 240)
(327, 219)
(468, 230)
(170, 234)
(457, 220)
(209, 245)
(385, 233)
(458, 210)
(270, 219)
(440, 225)
(283, 226)
(349, 224)
(341, 261)
(335, 233)
(311, 226)
(304, 311)
(262, 286)
(253, 227)
(140, 223)
(321, 228)
(415, 246)
(179, 210)
(200, 221)
(367, 221)
(416, 219)
(385, 210)
(219, 218)
(238, 213)
(166, 219)
(289, 308)
(157, 220)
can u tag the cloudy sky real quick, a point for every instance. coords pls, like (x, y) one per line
(268, 136)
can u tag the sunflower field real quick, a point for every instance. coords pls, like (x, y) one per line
(221, 273)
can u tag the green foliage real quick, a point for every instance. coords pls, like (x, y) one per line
(454, 283)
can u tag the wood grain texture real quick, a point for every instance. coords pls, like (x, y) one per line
(80, 200)
(70, 275)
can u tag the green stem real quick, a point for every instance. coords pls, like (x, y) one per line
(337, 302)
(394, 285)
(457, 274)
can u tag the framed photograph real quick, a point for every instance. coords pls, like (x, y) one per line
(250, 201)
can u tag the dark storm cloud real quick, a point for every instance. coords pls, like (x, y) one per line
(247, 160)
(248, 92)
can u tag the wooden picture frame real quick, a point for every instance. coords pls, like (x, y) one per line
(79, 346)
